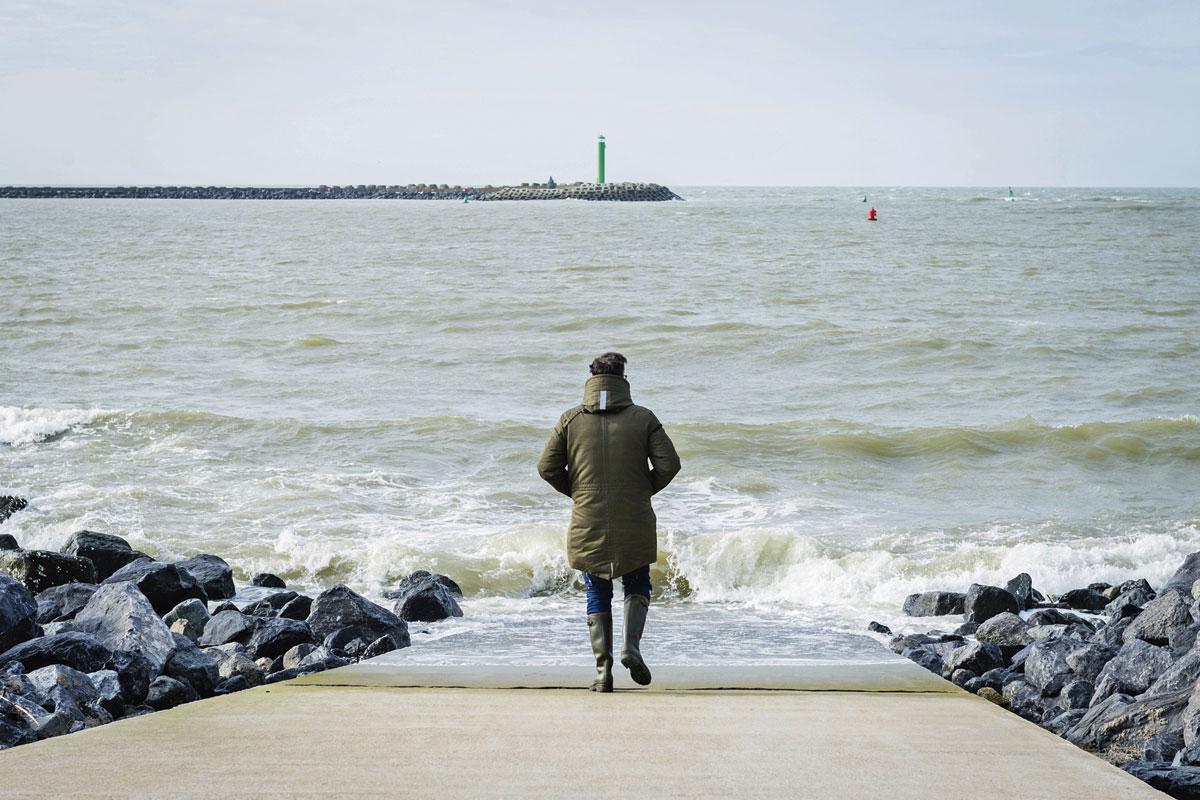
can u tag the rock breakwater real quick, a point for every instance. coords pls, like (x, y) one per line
(1114, 669)
(99, 631)
(621, 192)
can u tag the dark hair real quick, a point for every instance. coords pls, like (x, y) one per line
(608, 364)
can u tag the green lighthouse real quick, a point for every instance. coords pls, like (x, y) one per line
(600, 160)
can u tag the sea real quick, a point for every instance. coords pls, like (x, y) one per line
(347, 391)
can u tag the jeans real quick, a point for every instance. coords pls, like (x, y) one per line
(600, 590)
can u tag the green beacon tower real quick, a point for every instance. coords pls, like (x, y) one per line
(600, 160)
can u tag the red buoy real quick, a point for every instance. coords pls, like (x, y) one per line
(871, 216)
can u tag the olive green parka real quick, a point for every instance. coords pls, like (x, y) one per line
(609, 456)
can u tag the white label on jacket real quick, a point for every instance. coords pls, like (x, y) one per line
(603, 400)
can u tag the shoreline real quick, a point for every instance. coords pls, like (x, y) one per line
(609, 192)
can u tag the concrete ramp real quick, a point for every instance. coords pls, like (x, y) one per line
(836, 732)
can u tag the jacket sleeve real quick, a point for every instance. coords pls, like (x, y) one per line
(664, 461)
(552, 466)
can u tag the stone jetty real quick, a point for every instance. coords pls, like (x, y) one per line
(620, 192)
(1112, 668)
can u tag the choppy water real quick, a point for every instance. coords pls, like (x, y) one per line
(346, 391)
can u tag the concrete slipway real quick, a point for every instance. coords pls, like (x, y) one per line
(840, 732)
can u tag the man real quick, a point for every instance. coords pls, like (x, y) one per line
(609, 456)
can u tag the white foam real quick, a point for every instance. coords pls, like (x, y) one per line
(28, 425)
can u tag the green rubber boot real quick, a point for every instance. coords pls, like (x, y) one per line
(600, 632)
(636, 607)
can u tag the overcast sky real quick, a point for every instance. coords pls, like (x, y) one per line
(688, 93)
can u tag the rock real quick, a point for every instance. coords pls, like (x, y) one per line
(1075, 694)
(192, 611)
(1021, 588)
(1111, 635)
(942, 644)
(219, 607)
(978, 657)
(226, 627)
(1182, 639)
(191, 665)
(13, 734)
(68, 689)
(1162, 746)
(998, 678)
(934, 604)
(164, 585)
(10, 505)
(268, 580)
(426, 601)
(1063, 722)
(322, 657)
(984, 602)
(1085, 600)
(293, 672)
(1087, 660)
(1046, 665)
(1182, 783)
(1132, 671)
(419, 578)
(384, 644)
(77, 650)
(293, 656)
(1169, 610)
(122, 618)
(232, 660)
(1050, 616)
(992, 696)
(8, 542)
(18, 612)
(961, 677)
(1007, 631)
(235, 684)
(134, 671)
(1187, 756)
(41, 569)
(339, 640)
(966, 629)
(356, 648)
(1128, 603)
(63, 602)
(340, 607)
(926, 658)
(274, 637)
(110, 696)
(166, 692)
(299, 607)
(879, 627)
(107, 552)
(1023, 700)
(1187, 574)
(1182, 674)
(28, 713)
(213, 574)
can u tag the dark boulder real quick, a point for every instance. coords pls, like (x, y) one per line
(268, 581)
(1075, 694)
(1182, 639)
(1162, 746)
(1119, 733)
(8, 542)
(978, 657)
(340, 607)
(188, 618)
(1007, 631)
(232, 660)
(925, 657)
(384, 644)
(1112, 634)
(1085, 600)
(879, 628)
(1182, 783)
(164, 585)
(1187, 574)
(77, 650)
(134, 673)
(1133, 670)
(18, 612)
(299, 607)
(1180, 675)
(934, 604)
(274, 637)
(213, 574)
(1050, 616)
(1087, 660)
(1169, 610)
(230, 685)
(1046, 665)
(226, 627)
(191, 665)
(1061, 723)
(122, 618)
(1128, 603)
(41, 569)
(167, 692)
(295, 654)
(1021, 587)
(63, 602)
(109, 553)
(1024, 700)
(321, 657)
(10, 505)
(67, 689)
(427, 601)
(961, 677)
(219, 607)
(293, 672)
(15, 733)
(110, 695)
(342, 638)
(966, 629)
(984, 602)
(420, 577)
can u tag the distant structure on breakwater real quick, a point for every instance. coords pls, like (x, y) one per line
(628, 192)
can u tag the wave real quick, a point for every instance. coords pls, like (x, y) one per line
(28, 425)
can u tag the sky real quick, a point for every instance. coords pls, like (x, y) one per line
(687, 93)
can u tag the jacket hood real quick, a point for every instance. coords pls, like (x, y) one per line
(606, 393)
